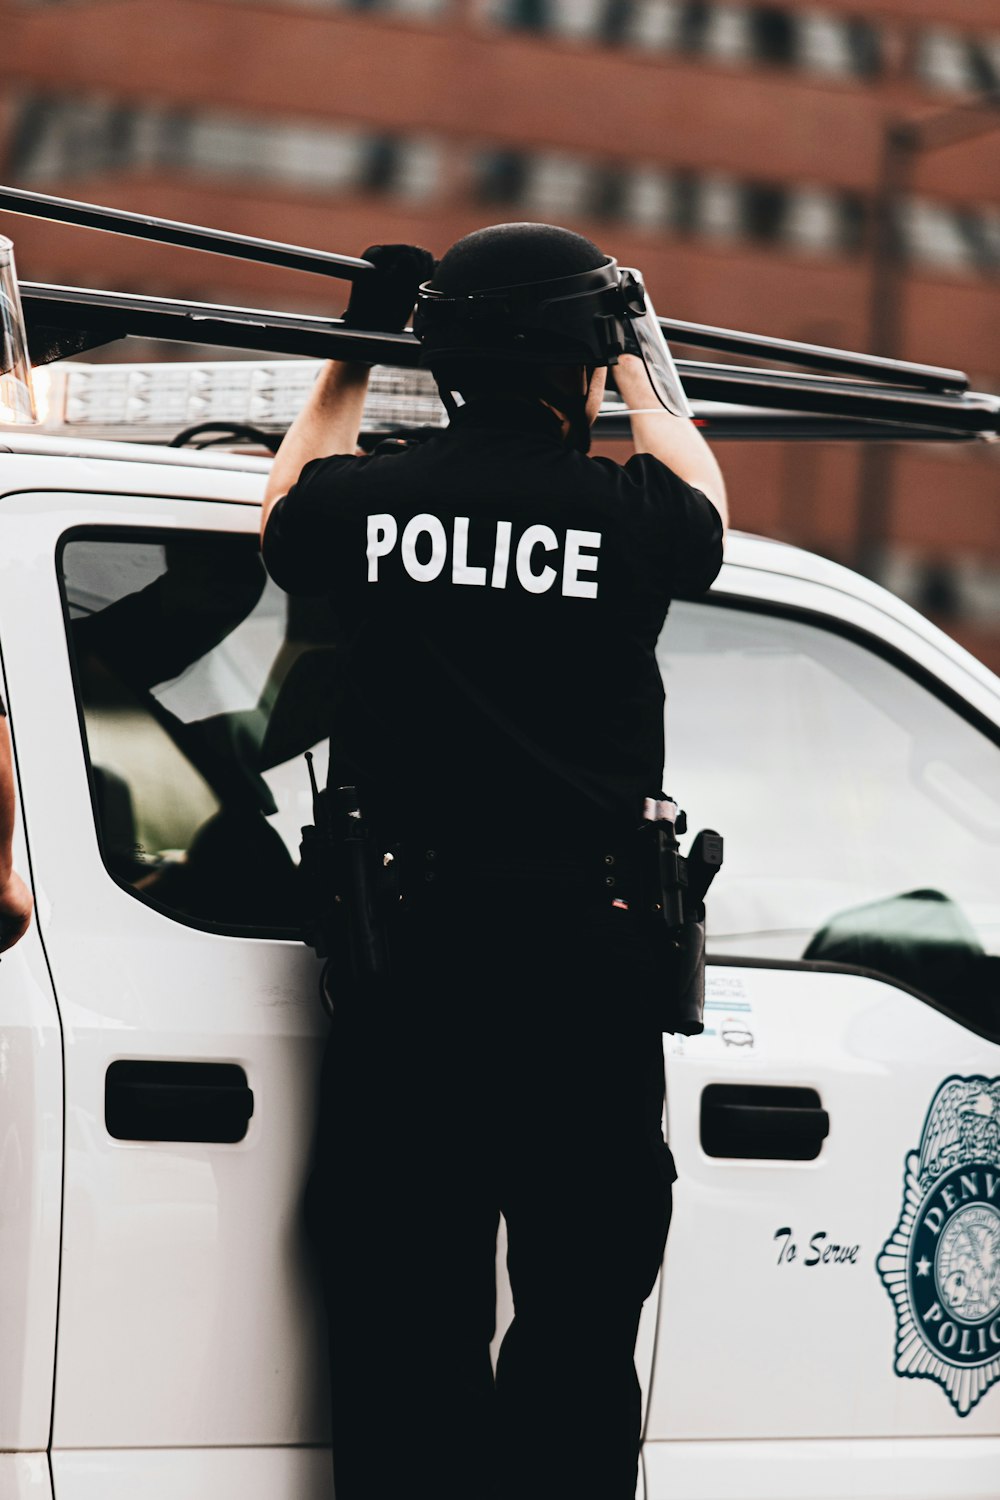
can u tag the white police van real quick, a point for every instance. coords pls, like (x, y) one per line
(827, 1322)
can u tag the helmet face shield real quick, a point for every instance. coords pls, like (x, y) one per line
(17, 402)
(654, 350)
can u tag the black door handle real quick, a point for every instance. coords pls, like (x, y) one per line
(177, 1101)
(762, 1121)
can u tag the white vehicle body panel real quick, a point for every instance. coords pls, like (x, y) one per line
(876, 1469)
(25, 1476)
(31, 1098)
(876, 1055)
(274, 1473)
(186, 1317)
(189, 1357)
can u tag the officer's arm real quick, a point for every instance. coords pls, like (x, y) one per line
(675, 441)
(15, 899)
(328, 423)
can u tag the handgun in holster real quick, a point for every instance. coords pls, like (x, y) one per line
(675, 886)
(349, 884)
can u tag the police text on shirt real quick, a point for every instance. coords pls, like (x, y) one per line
(424, 548)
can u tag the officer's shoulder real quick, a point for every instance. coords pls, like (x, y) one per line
(642, 475)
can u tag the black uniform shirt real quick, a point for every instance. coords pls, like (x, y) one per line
(501, 597)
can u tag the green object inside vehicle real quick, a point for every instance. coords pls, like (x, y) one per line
(924, 940)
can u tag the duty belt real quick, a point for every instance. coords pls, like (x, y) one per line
(357, 887)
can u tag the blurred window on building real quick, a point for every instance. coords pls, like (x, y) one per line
(524, 15)
(608, 190)
(823, 221)
(310, 156)
(616, 21)
(972, 584)
(421, 10)
(578, 18)
(686, 190)
(380, 166)
(500, 176)
(648, 199)
(774, 35)
(654, 25)
(982, 228)
(864, 42)
(66, 137)
(814, 41)
(959, 64)
(558, 185)
(933, 236)
(764, 208)
(729, 33)
(55, 136)
(990, 47)
(980, 590)
(813, 220)
(824, 47)
(419, 168)
(695, 21)
(853, 212)
(719, 207)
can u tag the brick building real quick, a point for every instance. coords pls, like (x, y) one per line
(729, 149)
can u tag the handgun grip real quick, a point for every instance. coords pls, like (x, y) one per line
(704, 862)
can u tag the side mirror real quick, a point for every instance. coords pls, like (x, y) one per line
(17, 400)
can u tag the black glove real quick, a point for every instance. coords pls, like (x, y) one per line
(382, 300)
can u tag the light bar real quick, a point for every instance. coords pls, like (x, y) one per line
(154, 402)
(17, 404)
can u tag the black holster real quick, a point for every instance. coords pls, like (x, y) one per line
(351, 894)
(673, 888)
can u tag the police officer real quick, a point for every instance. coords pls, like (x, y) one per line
(500, 708)
(15, 898)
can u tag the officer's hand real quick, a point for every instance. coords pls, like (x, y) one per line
(383, 299)
(15, 911)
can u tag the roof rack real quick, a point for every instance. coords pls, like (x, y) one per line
(845, 394)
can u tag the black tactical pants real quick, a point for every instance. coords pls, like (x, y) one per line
(516, 1070)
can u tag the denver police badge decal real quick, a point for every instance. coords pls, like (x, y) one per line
(941, 1266)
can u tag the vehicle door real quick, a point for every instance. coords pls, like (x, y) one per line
(833, 1267)
(165, 692)
(31, 1107)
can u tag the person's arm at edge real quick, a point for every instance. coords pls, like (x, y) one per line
(675, 441)
(328, 423)
(15, 898)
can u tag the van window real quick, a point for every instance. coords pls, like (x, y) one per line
(861, 813)
(200, 686)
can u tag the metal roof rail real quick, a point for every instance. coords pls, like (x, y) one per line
(897, 397)
(187, 236)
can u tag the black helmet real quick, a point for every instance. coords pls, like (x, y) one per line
(532, 293)
(535, 294)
